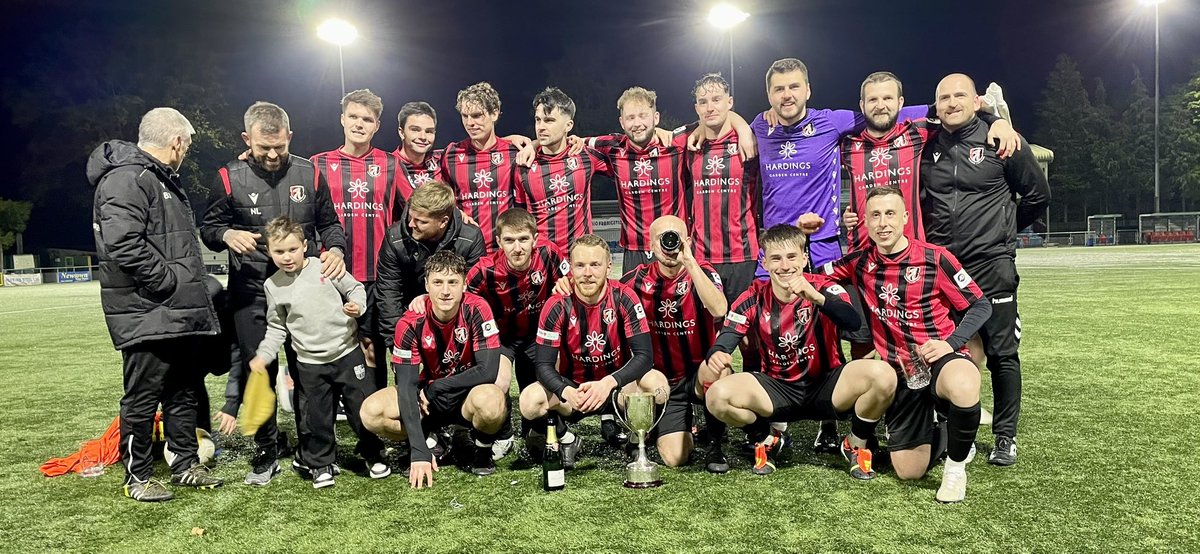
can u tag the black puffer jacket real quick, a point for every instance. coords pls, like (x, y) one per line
(401, 269)
(151, 274)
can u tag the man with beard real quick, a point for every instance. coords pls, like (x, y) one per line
(249, 193)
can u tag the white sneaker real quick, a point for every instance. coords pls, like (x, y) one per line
(954, 483)
(500, 448)
(970, 455)
(379, 470)
(323, 478)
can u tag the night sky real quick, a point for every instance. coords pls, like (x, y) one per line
(593, 50)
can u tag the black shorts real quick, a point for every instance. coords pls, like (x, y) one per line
(446, 409)
(909, 421)
(863, 334)
(677, 415)
(736, 278)
(577, 416)
(633, 258)
(522, 353)
(797, 401)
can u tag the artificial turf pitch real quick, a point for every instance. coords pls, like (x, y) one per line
(1107, 442)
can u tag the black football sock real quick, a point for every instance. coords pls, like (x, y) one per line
(961, 427)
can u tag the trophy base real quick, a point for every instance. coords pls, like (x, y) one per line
(643, 484)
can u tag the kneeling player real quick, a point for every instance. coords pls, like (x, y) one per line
(910, 288)
(791, 319)
(683, 301)
(590, 343)
(447, 365)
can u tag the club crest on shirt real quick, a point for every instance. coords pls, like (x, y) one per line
(911, 274)
(536, 277)
(976, 155)
(654, 153)
(808, 130)
(373, 170)
(900, 142)
(460, 335)
(431, 165)
(572, 163)
(681, 288)
(497, 158)
(297, 194)
(610, 315)
(803, 315)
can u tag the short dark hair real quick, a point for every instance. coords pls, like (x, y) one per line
(516, 219)
(880, 77)
(553, 97)
(711, 80)
(780, 234)
(365, 98)
(445, 261)
(786, 65)
(415, 108)
(883, 190)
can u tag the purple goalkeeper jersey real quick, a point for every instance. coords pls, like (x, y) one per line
(800, 165)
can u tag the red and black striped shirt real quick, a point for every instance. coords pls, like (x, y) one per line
(413, 175)
(683, 329)
(363, 191)
(592, 340)
(894, 159)
(649, 183)
(557, 190)
(517, 297)
(723, 200)
(910, 296)
(798, 343)
(444, 349)
(483, 182)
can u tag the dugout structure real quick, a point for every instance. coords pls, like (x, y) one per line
(1173, 227)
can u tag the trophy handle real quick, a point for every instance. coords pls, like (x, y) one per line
(625, 422)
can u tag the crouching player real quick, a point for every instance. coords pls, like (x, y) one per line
(591, 342)
(911, 287)
(447, 366)
(683, 301)
(790, 318)
(319, 314)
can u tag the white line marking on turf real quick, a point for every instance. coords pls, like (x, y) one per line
(41, 309)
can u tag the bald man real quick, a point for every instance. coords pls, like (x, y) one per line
(684, 303)
(974, 202)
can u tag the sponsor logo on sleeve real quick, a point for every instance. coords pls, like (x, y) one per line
(489, 328)
(736, 318)
(547, 335)
(638, 311)
(962, 279)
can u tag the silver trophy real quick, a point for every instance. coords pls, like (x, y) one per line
(639, 419)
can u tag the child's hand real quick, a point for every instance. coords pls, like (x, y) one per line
(257, 364)
(351, 309)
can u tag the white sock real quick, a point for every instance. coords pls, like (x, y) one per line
(567, 438)
(607, 417)
(780, 426)
(482, 444)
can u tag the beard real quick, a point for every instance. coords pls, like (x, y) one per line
(882, 124)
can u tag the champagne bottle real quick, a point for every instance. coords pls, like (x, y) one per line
(553, 475)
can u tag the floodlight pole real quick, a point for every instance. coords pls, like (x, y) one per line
(342, 70)
(731, 61)
(1157, 190)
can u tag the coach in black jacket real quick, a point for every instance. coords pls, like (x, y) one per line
(429, 224)
(973, 203)
(153, 295)
(250, 193)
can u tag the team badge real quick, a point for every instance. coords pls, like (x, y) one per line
(373, 170)
(976, 156)
(497, 158)
(808, 130)
(654, 153)
(803, 315)
(681, 288)
(610, 315)
(537, 277)
(460, 335)
(900, 142)
(297, 194)
(912, 274)
(572, 163)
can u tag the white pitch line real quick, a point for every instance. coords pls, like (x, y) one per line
(42, 309)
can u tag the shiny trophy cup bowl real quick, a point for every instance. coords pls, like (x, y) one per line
(639, 419)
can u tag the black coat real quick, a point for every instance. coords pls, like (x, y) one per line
(151, 274)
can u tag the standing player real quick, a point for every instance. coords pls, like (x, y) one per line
(249, 193)
(591, 343)
(791, 319)
(683, 301)
(911, 289)
(971, 207)
(557, 186)
(447, 366)
(419, 162)
(723, 191)
(362, 184)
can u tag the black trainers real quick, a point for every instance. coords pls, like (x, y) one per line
(612, 433)
(827, 441)
(303, 471)
(1005, 452)
(535, 446)
(483, 464)
(715, 461)
(323, 477)
(198, 477)
(570, 450)
(443, 444)
(150, 490)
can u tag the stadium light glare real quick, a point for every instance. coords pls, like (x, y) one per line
(337, 31)
(726, 16)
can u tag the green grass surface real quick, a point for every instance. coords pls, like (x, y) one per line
(1106, 454)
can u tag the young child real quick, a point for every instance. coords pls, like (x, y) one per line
(319, 314)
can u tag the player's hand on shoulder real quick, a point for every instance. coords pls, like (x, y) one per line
(810, 223)
(849, 219)
(562, 286)
(574, 145)
(771, 118)
(333, 265)
(1002, 134)
(696, 138)
(524, 158)
(469, 220)
(420, 474)
(418, 304)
